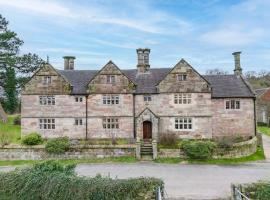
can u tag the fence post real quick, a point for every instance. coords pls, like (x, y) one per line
(138, 148)
(154, 146)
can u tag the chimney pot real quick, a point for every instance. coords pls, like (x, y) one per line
(69, 62)
(237, 64)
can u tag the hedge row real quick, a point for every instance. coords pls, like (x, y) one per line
(51, 180)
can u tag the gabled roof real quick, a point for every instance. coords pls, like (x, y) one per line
(261, 91)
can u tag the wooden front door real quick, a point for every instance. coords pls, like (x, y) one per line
(147, 130)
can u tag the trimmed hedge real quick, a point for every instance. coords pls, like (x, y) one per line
(57, 145)
(32, 139)
(51, 180)
(198, 149)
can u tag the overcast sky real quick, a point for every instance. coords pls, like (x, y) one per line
(203, 32)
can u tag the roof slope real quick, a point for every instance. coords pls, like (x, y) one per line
(261, 91)
(222, 85)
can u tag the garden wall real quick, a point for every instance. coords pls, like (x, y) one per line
(18, 152)
(237, 150)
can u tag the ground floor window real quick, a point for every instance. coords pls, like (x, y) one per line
(47, 123)
(110, 123)
(183, 123)
(78, 121)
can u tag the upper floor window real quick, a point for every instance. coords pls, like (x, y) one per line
(147, 98)
(110, 123)
(183, 98)
(78, 121)
(232, 104)
(79, 99)
(181, 77)
(46, 100)
(110, 79)
(110, 99)
(47, 123)
(47, 80)
(183, 123)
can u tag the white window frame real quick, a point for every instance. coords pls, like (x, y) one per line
(183, 98)
(147, 98)
(183, 123)
(111, 79)
(46, 123)
(110, 99)
(47, 100)
(47, 80)
(232, 104)
(110, 123)
(181, 77)
(78, 121)
(78, 99)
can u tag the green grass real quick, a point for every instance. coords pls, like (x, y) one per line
(13, 131)
(123, 159)
(264, 129)
(258, 155)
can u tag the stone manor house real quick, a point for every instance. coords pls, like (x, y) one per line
(143, 103)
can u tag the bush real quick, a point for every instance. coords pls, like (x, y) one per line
(51, 180)
(17, 120)
(57, 145)
(169, 139)
(32, 139)
(259, 191)
(4, 137)
(198, 149)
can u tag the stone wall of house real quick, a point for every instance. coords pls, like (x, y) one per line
(39, 153)
(233, 122)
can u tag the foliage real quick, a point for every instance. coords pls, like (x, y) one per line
(198, 149)
(4, 138)
(258, 80)
(57, 145)
(17, 120)
(216, 71)
(32, 139)
(168, 140)
(50, 180)
(11, 132)
(228, 141)
(258, 191)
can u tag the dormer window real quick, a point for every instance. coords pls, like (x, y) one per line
(110, 79)
(47, 80)
(181, 77)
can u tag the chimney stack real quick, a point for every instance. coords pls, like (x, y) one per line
(237, 69)
(143, 60)
(69, 62)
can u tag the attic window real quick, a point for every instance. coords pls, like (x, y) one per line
(181, 77)
(47, 80)
(110, 79)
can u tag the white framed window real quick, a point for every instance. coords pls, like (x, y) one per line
(110, 123)
(111, 79)
(78, 121)
(47, 80)
(110, 99)
(181, 77)
(147, 98)
(47, 123)
(232, 104)
(182, 98)
(183, 123)
(78, 99)
(47, 100)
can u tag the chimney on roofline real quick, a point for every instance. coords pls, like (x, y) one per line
(69, 62)
(143, 60)
(237, 64)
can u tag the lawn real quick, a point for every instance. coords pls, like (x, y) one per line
(264, 129)
(13, 132)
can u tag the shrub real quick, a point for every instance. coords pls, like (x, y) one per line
(260, 191)
(51, 180)
(57, 145)
(32, 139)
(169, 139)
(4, 137)
(17, 120)
(198, 149)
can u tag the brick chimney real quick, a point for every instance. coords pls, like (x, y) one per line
(143, 60)
(69, 62)
(237, 64)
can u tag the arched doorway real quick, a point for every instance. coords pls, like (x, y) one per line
(147, 130)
